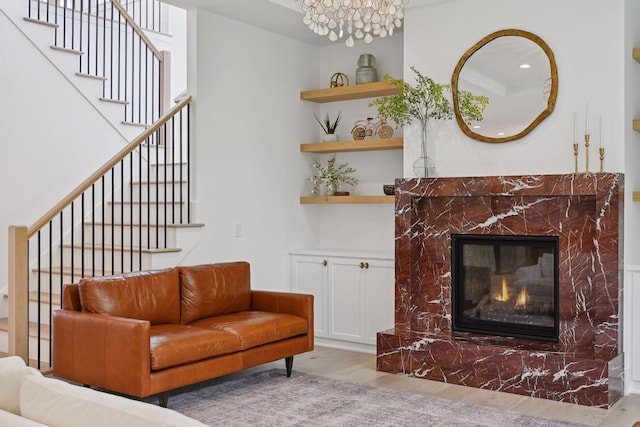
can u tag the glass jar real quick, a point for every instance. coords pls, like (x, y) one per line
(366, 72)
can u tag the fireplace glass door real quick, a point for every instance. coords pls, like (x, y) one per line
(505, 285)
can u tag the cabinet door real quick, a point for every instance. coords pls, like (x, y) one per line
(309, 276)
(345, 307)
(379, 299)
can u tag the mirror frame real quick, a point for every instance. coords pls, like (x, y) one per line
(550, 102)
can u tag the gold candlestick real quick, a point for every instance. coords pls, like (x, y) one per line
(586, 145)
(601, 159)
(575, 155)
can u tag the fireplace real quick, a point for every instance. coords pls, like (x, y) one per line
(574, 223)
(505, 285)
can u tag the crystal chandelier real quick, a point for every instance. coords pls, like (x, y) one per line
(361, 19)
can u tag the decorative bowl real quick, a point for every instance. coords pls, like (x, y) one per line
(389, 189)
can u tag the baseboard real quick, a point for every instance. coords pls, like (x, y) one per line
(345, 345)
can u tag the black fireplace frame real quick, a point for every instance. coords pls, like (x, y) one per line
(496, 328)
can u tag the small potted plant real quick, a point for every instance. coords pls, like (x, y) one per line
(332, 177)
(329, 127)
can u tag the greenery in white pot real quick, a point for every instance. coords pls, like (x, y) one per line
(427, 100)
(332, 176)
(329, 127)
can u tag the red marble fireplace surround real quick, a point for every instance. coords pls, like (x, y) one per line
(584, 211)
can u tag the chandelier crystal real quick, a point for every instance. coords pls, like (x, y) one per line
(355, 19)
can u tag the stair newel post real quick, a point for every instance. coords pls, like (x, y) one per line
(165, 91)
(19, 292)
(165, 82)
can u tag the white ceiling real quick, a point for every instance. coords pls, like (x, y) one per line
(279, 16)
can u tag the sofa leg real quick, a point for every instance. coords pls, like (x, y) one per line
(163, 399)
(289, 364)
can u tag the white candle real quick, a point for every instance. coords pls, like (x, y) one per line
(600, 131)
(586, 121)
(574, 128)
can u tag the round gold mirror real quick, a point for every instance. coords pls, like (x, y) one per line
(517, 72)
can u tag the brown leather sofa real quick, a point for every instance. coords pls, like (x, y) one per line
(145, 333)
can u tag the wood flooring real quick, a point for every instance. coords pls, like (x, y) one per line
(360, 368)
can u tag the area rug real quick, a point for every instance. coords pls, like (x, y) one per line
(269, 398)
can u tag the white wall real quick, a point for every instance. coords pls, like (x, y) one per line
(52, 137)
(245, 82)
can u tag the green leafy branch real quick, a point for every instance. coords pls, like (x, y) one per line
(427, 100)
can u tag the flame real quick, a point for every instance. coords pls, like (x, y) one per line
(505, 293)
(521, 299)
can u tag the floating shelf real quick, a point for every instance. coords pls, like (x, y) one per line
(346, 146)
(636, 196)
(320, 200)
(636, 125)
(344, 93)
(636, 54)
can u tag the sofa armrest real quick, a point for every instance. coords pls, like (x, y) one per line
(285, 302)
(103, 351)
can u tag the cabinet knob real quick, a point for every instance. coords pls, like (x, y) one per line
(324, 262)
(364, 265)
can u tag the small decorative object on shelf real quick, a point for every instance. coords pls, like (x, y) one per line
(369, 127)
(366, 71)
(331, 177)
(338, 80)
(329, 127)
(389, 189)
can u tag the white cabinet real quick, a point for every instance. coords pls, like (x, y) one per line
(353, 293)
(309, 276)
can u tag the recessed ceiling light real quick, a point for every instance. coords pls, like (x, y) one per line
(525, 66)
(476, 127)
(500, 133)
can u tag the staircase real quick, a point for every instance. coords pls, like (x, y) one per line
(132, 214)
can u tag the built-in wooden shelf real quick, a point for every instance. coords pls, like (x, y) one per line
(320, 200)
(347, 146)
(636, 125)
(345, 93)
(636, 196)
(636, 54)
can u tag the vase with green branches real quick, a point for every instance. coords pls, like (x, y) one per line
(426, 101)
(329, 127)
(332, 176)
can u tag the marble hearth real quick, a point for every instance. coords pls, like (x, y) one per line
(585, 212)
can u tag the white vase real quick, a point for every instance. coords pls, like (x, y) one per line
(330, 137)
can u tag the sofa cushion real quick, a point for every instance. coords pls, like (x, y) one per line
(214, 289)
(144, 295)
(57, 403)
(255, 328)
(175, 344)
(8, 419)
(11, 376)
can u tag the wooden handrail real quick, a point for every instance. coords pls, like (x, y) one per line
(60, 206)
(138, 30)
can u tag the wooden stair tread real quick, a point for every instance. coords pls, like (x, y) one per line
(115, 101)
(44, 298)
(77, 271)
(124, 249)
(129, 224)
(33, 328)
(173, 181)
(160, 203)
